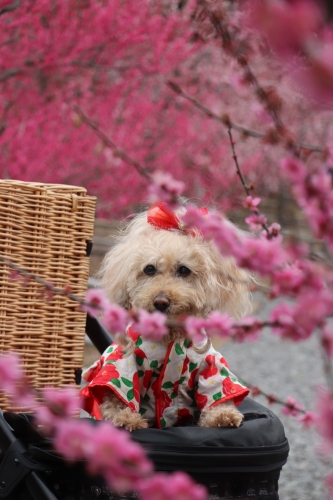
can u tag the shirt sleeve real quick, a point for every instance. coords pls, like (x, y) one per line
(216, 383)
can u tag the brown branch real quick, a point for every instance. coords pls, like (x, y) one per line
(46, 284)
(228, 44)
(110, 144)
(12, 6)
(271, 398)
(239, 173)
(9, 73)
(225, 120)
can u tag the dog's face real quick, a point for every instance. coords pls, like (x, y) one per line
(172, 272)
(169, 274)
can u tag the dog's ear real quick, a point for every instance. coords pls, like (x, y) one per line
(114, 274)
(229, 286)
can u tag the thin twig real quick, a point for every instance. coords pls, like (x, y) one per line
(10, 7)
(9, 73)
(239, 173)
(109, 143)
(271, 398)
(225, 120)
(49, 286)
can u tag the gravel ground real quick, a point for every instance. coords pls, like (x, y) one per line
(284, 369)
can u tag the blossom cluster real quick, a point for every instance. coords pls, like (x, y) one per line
(300, 36)
(106, 450)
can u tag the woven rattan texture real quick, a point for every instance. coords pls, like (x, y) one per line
(44, 230)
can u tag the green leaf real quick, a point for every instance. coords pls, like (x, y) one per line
(127, 382)
(130, 395)
(181, 380)
(179, 350)
(224, 372)
(142, 411)
(237, 381)
(115, 381)
(154, 363)
(146, 398)
(187, 342)
(163, 423)
(167, 385)
(141, 373)
(110, 362)
(138, 342)
(139, 361)
(173, 395)
(192, 366)
(110, 349)
(217, 396)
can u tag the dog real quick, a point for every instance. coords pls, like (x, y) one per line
(158, 265)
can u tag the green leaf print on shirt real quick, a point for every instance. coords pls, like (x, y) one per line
(179, 350)
(217, 396)
(192, 366)
(116, 382)
(127, 382)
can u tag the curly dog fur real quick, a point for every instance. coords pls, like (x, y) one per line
(187, 276)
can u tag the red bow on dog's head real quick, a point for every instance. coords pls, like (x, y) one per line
(161, 217)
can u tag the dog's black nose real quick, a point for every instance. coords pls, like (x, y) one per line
(161, 303)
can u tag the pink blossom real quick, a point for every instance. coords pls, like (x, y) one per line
(327, 340)
(287, 25)
(274, 229)
(298, 322)
(65, 400)
(283, 315)
(287, 281)
(151, 325)
(261, 255)
(113, 452)
(292, 407)
(96, 301)
(178, 486)
(325, 418)
(14, 275)
(256, 221)
(294, 168)
(115, 318)
(11, 372)
(316, 80)
(329, 483)
(251, 203)
(219, 324)
(214, 227)
(195, 328)
(249, 329)
(73, 439)
(165, 188)
(308, 419)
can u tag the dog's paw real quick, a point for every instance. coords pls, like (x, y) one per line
(129, 420)
(222, 415)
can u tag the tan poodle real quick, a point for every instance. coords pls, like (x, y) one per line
(159, 266)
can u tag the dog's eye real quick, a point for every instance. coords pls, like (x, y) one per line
(183, 271)
(150, 270)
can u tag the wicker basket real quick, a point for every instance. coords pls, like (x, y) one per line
(45, 229)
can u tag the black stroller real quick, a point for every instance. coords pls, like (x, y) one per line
(243, 463)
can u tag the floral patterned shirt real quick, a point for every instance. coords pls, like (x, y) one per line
(166, 384)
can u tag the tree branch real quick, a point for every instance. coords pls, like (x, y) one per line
(225, 119)
(110, 144)
(9, 73)
(10, 7)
